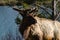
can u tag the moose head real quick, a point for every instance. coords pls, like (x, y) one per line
(28, 17)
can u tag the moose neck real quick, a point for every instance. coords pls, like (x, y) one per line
(26, 22)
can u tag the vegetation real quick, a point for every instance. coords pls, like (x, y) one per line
(46, 5)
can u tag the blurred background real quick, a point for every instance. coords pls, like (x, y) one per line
(11, 19)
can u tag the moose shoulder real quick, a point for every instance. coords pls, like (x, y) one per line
(35, 28)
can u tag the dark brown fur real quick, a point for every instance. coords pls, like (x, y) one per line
(26, 22)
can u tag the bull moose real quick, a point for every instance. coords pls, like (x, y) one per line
(35, 28)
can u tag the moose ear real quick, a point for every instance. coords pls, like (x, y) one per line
(19, 10)
(34, 10)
